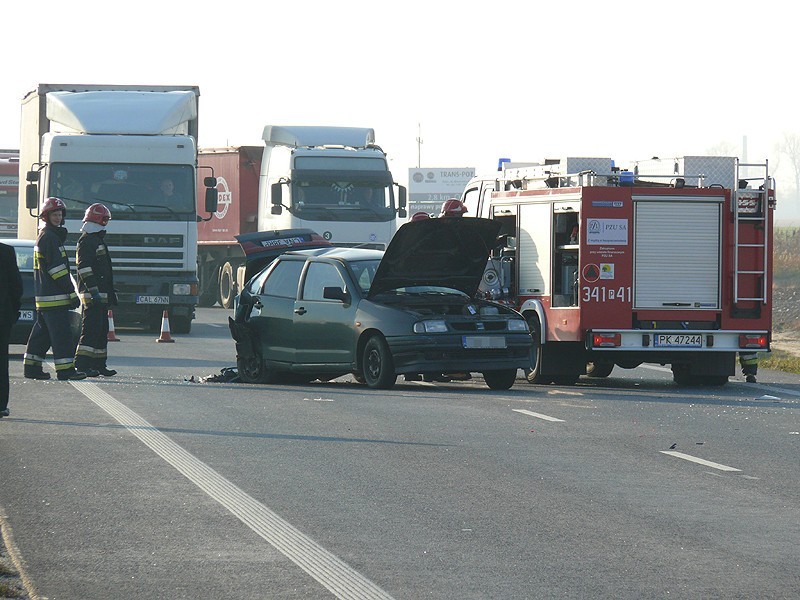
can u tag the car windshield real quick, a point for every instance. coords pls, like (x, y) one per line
(363, 273)
(24, 257)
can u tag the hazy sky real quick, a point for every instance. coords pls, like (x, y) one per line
(520, 79)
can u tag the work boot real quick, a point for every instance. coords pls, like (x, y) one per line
(91, 372)
(106, 372)
(71, 375)
(750, 379)
(36, 374)
(4, 413)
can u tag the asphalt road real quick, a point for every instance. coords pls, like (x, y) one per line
(149, 485)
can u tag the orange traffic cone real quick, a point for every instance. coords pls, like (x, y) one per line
(165, 337)
(112, 336)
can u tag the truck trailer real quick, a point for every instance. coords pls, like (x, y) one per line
(669, 262)
(120, 145)
(331, 180)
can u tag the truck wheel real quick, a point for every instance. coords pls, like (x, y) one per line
(227, 286)
(500, 380)
(599, 369)
(534, 374)
(377, 364)
(181, 325)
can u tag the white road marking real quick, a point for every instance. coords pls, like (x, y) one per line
(334, 574)
(537, 415)
(699, 461)
(215, 325)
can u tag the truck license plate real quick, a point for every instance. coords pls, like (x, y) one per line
(488, 341)
(152, 299)
(679, 340)
(26, 315)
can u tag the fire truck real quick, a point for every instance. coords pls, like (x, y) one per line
(667, 262)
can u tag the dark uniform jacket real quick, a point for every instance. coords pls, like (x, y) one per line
(94, 268)
(52, 283)
(10, 286)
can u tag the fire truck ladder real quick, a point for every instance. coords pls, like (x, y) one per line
(750, 203)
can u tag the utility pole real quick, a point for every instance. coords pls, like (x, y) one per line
(419, 145)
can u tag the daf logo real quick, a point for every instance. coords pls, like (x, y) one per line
(162, 240)
(224, 198)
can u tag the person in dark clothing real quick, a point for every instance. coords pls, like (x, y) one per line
(96, 288)
(749, 363)
(55, 296)
(10, 300)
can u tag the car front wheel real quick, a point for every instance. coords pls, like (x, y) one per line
(252, 369)
(500, 380)
(377, 364)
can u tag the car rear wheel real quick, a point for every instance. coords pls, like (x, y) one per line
(252, 369)
(377, 364)
(500, 380)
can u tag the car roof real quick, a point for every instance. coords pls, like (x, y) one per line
(346, 254)
(19, 243)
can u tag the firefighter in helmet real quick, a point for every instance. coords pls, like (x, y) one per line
(453, 208)
(55, 297)
(96, 287)
(420, 216)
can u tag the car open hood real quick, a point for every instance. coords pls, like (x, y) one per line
(447, 252)
(261, 247)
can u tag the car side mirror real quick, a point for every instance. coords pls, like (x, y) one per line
(336, 293)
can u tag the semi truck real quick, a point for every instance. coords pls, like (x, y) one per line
(332, 180)
(9, 192)
(123, 146)
(668, 262)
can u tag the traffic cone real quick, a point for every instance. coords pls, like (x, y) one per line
(112, 336)
(165, 337)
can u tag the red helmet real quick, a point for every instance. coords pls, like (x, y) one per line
(50, 205)
(453, 208)
(420, 216)
(97, 213)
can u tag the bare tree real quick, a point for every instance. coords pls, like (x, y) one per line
(789, 146)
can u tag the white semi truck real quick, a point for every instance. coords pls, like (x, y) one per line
(120, 145)
(332, 180)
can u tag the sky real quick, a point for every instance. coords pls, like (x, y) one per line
(475, 81)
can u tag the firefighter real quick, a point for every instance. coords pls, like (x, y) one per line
(96, 287)
(749, 364)
(55, 296)
(420, 216)
(453, 208)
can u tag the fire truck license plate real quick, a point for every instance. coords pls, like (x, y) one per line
(678, 340)
(152, 299)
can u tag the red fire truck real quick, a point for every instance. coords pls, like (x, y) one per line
(669, 262)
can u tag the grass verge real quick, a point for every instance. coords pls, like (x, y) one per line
(779, 360)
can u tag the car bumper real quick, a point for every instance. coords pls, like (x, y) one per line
(447, 354)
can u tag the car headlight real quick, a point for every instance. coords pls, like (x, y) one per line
(181, 289)
(430, 327)
(517, 325)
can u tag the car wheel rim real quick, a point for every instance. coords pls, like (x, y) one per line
(373, 364)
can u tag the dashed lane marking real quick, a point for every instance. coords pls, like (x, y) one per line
(537, 415)
(699, 461)
(331, 572)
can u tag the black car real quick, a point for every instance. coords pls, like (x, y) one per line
(27, 313)
(326, 312)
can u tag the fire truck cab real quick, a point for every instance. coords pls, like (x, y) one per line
(669, 262)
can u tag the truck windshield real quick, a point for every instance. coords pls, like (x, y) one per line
(348, 200)
(131, 191)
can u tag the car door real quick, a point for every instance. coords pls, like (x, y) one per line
(271, 314)
(324, 327)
